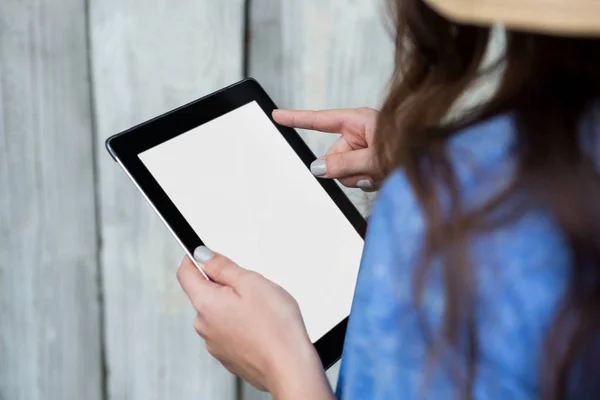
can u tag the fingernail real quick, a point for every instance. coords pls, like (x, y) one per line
(364, 184)
(318, 168)
(203, 254)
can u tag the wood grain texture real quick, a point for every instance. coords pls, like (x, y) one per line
(149, 57)
(318, 54)
(49, 309)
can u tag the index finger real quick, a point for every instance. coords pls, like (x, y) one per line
(331, 121)
(198, 289)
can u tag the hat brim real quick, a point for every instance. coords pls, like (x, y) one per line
(562, 17)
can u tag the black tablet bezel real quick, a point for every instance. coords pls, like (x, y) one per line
(126, 146)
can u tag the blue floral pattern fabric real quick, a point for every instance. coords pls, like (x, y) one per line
(520, 267)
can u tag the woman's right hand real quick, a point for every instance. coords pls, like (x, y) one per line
(351, 158)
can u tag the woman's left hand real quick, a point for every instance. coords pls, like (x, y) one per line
(253, 327)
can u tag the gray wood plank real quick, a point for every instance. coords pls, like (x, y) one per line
(147, 58)
(318, 54)
(49, 311)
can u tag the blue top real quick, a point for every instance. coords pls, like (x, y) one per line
(521, 269)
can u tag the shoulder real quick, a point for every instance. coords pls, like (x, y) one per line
(479, 155)
(520, 266)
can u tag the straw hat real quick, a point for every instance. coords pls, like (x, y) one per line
(561, 17)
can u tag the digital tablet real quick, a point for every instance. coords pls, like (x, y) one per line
(219, 172)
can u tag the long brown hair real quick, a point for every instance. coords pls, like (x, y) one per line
(548, 84)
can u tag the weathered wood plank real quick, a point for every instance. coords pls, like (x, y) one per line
(147, 58)
(320, 54)
(49, 313)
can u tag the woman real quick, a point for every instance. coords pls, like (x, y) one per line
(481, 270)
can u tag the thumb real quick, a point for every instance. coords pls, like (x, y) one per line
(218, 268)
(344, 164)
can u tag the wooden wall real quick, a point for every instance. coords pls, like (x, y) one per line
(50, 338)
(89, 304)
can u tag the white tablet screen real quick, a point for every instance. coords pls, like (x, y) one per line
(247, 195)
